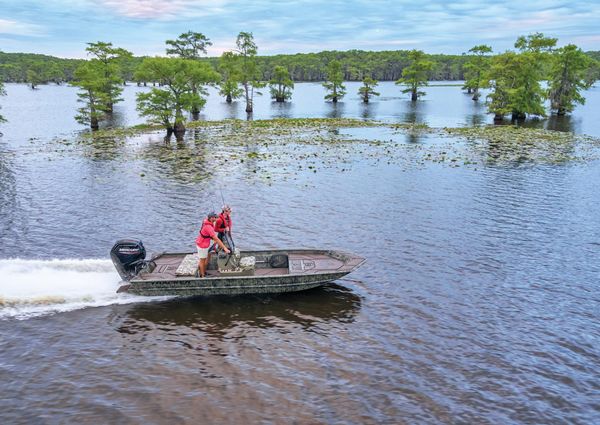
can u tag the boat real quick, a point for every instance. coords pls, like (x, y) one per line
(238, 273)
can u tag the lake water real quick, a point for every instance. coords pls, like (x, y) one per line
(478, 302)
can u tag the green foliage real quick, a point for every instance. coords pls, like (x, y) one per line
(177, 78)
(567, 78)
(356, 64)
(593, 73)
(475, 69)
(368, 89)
(515, 86)
(90, 79)
(249, 73)
(105, 52)
(229, 69)
(35, 74)
(517, 77)
(416, 74)
(189, 45)
(159, 106)
(14, 66)
(108, 60)
(281, 84)
(55, 74)
(535, 43)
(40, 72)
(334, 85)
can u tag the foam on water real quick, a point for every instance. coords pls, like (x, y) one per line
(37, 287)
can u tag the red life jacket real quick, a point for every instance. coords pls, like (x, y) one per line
(222, 223)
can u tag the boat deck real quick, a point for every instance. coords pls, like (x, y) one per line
(300, 263)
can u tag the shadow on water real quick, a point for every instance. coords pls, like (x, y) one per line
(217, 315)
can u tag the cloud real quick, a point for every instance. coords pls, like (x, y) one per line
(164, 10)
(9, 27)
(435, 26)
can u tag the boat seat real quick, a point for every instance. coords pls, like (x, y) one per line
(188, 266)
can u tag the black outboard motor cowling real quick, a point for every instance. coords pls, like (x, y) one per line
(128, 257)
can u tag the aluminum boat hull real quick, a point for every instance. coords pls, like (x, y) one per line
(306, 269)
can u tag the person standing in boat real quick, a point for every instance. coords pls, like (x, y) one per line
(207, 233)
(223, 224)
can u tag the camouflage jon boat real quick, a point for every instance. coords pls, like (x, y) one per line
(245, 272)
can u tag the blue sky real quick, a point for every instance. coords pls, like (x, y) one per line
(61, 28)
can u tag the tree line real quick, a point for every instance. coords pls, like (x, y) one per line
(516, 79)
(302, 67)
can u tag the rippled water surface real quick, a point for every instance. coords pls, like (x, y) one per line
(478, 302)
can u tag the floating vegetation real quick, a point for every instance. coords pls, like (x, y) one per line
(293, 148)
(512, 144)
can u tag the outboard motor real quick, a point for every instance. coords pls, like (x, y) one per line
(128, 257)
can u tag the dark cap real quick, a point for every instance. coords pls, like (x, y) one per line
(212, 215)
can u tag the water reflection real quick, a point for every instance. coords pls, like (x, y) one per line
(554, 122)
(565, 123)
(231, 110)
(336, 110)
(217, 315)
(118, 118)
(561, 123)
(368, 110)
(414, 112)
(282, 109)
(478, 115)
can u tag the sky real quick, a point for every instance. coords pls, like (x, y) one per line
(62, 28)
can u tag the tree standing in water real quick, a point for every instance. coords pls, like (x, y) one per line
(515, 78)
(334, 83)
(368, 89)
(107, 58)
(90, 79)
(528, 96)
(190, 45)
(568, 74)
(503, 77)
(475, 70)
(281, 84)
(177, 78)
(416, 74)
(248, 69)
(229, 85)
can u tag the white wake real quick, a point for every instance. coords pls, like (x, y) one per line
(37, 287)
